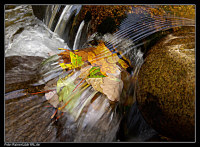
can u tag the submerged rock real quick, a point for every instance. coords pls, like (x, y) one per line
(166, 85)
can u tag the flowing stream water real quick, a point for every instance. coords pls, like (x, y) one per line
(29, 41)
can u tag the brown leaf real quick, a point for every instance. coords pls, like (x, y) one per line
(52, 98)
(95, 82)
(85, 71)
(112, 88)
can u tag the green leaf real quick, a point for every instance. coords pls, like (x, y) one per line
(66, 92)
(95, 73)
(63, 82)
(76, 60)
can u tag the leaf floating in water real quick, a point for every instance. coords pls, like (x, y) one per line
(104, 75)
(112, 88)
(95, 82)
(123, 64)
(76, 60)
(66, 91)
(64, 66)
(53, 100)
(95, 73)
(85, 71)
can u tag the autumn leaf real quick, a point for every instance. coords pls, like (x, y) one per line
(123, 63)
(112, 88)
(95, 73)
(52, 98)
(83, 54)
(91, 57)
(95, 82)
(66, 91)
(113, 58)
(104, 75)
(64, 66)
(62, 82)
(65, 57)
(76, 60)
(85, 71)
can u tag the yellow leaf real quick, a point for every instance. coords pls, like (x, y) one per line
(70, 66)
(108, 69)
(102, 51)
(76, 60)
(63, 65)
(113, 58)
(123, 63)
(91, 57)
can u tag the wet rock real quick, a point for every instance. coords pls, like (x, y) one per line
(39, 11)
(26, 35)
(166, 85)
(20, 68)
(28, 120)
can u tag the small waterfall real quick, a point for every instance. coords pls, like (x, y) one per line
(64, 18)
(60, 20)
(78, 35)
(51, 12)
(27, 35)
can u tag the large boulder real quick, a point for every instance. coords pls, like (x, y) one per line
(166, 85)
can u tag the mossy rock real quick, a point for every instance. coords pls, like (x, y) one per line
(166, 85)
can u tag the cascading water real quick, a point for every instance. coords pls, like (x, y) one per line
(26, 35)
(64, 18)
(62, 26)
(78, 35)
(99, 121)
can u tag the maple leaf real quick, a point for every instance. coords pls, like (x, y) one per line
(52, 98)
(112, 88)
(95, 73)
(113, 58)
(123, 63)
(95, 82)
(76, 60)
(107, 68)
